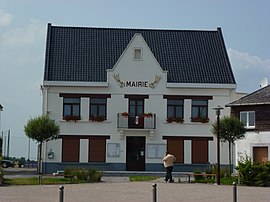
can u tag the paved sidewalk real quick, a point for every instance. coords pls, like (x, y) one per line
(121, 190)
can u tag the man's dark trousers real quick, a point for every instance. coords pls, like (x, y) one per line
(169, 173)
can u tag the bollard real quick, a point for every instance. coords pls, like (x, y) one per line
(154, 192)
(234, 192)
(61, 193)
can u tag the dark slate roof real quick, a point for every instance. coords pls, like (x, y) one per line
(83, 54)
(261, 96)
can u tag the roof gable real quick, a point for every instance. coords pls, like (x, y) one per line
(138, 41)
(259, 97)
(84, 54)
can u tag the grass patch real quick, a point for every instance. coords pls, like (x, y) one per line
(228, 181)
(21, 181)
(142, 178)
(45, 181)
(223, 181)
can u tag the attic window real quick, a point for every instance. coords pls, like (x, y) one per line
(137, 54)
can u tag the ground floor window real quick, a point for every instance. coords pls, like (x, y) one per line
(70, 149)
(260, 154)
(97, 149)
(176, 147)
(199, 151)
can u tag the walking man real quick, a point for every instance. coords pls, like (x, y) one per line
(168, 161)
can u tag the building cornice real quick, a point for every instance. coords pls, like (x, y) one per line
(75, 84)
(201, 85)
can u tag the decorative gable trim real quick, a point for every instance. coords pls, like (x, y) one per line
(137, 83)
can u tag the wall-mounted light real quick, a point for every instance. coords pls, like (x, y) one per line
(51, 154)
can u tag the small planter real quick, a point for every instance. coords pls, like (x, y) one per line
(125, 114)
(97, 118)
(71, 118)
(147, 115)
(198, 119)
(175, 120)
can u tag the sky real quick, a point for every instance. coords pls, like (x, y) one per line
(23, 25)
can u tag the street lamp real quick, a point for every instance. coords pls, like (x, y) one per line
(217, 109)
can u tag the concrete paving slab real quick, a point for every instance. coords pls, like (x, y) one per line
(123, 191)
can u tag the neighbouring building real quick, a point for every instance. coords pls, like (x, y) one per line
(122, 97)
(254, 111)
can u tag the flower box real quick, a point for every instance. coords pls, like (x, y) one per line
(147, 115)
(97, 118)
(125, 114)
(175, 120)
(71, 118)
(199, 119)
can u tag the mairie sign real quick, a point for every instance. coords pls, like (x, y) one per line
(136, 84)
(144, 84)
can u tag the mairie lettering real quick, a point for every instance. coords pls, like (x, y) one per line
(136, 84)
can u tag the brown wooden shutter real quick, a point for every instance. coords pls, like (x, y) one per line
(70, 149)
(97, 149)
(199, 151)
(176, 147)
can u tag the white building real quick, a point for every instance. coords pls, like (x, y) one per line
(254, 110)
(168, 82)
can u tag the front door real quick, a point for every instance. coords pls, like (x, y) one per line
(136, 109)
(260, 154)
(135, 157)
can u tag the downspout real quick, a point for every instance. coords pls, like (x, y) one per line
(45, 111)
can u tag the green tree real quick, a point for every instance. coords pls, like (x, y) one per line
(41, 129)
(231, 129)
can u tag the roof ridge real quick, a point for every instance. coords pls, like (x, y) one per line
(249, 98)
(130, 28)
(254, 92)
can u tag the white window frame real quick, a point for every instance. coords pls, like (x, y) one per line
(135, 55)
(246, 124)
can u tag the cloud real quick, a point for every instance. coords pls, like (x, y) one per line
(248, 70)
(22, 49)
(5, 18)
(30, 34)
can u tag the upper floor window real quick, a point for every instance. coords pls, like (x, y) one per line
(137, 54)
(248, 118)
(175, 110)
(72, 108)
(199, 111)
(98, 108)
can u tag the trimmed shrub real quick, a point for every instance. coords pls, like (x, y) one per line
(94, 175)
(254, 174)
(70, 172)
(82, 174)
(89, 175)
(1, 170)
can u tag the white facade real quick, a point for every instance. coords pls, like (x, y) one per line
(245, 147)
(153, 82)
